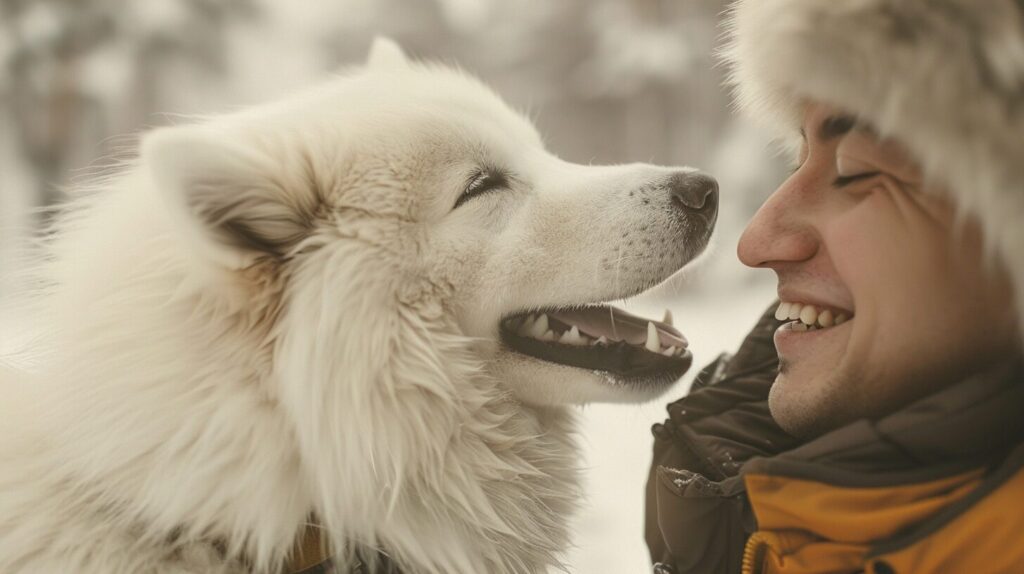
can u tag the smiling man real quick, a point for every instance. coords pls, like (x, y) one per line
(886, 297)
(871, 420)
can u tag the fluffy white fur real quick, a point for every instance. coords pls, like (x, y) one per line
(277, 314)
(946, 77)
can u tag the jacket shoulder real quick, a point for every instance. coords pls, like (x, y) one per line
(982, 532)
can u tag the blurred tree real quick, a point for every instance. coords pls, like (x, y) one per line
(607, 80)
(74, 73)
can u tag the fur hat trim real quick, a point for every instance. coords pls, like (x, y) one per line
(944, 77)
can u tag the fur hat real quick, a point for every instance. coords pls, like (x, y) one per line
(944, 77)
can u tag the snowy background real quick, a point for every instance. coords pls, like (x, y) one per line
(607, 81)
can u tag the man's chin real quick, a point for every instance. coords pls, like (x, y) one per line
(802, 409)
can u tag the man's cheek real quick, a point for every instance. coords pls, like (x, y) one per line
(859, 245)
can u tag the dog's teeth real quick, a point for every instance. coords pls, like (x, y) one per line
(602, 340)
(526, 326)
(653, 342)
(539, 327)
(668, 318)
(549, 336)
(573, 337)
(669, 351)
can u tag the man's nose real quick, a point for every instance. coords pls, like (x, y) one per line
(778, 233)
(695, 192)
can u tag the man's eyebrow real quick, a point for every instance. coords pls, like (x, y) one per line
(835, 126)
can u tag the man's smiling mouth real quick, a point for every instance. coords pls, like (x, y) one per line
(600, 338)
(807, 317)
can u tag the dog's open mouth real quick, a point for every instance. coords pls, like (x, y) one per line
(601, 338)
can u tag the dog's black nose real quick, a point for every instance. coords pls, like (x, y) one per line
(694, 191)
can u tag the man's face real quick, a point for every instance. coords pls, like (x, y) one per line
(854, 235)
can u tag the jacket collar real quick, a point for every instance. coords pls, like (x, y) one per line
(967, 425)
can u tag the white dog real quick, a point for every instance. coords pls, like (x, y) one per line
(368, 307)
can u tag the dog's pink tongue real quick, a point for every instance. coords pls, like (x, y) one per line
(618, 325)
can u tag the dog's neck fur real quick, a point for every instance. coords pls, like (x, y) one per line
(232, 414)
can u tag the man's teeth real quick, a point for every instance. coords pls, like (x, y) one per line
(825, 318)
(538, 327)
(809, 316)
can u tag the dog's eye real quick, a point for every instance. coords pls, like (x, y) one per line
(482, 182)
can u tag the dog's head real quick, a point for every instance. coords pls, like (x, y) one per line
(413, 188)
(385, 239)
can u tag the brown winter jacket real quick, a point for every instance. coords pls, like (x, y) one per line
(935, 487)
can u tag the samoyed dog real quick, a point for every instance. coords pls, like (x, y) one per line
(350, 324)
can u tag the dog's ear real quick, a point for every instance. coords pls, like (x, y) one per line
(220, 193)
(385, 54)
